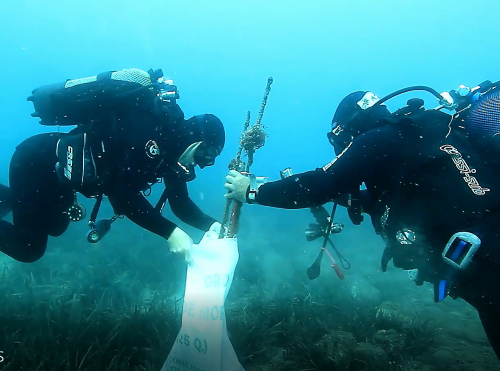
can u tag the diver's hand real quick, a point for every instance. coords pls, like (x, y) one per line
(237, 185)
(180, 244)
(215, 227)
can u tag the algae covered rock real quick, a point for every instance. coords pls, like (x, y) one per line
(444, 358)
(389, 340)
(360, 290)
(389, 316)
(370, 357)
(335, 350)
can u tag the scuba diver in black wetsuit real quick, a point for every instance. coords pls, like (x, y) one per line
(130, 133)
(433, 186)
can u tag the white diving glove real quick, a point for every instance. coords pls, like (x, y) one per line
(180, 244)
(237, 184)
(215, 228)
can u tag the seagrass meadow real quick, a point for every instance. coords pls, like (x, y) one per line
(102, 310)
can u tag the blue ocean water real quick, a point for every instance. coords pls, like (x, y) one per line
(220, 54)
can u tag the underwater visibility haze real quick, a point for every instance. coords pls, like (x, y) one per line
(117, 304)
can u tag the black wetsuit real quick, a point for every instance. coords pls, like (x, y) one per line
(428, 179)
(40, 202)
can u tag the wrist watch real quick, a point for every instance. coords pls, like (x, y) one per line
(255, 183)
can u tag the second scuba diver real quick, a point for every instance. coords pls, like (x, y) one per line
(433, 182)
(131, 132)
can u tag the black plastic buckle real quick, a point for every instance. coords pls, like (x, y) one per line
(460, 249)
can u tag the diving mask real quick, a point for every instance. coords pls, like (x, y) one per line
(199, 154)
(205, 155)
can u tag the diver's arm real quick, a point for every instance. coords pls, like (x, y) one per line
(346, 172)
(312, 188)
(367, 201)
(135, 207)
(184, 208)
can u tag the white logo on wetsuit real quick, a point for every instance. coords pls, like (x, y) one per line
(337, 130)
(368, 100)
(464, 169)
(152, 149)
(68, 170)
(327, 166)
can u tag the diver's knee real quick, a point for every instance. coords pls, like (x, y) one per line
(32, 249)
(31, 258)
(33, 253)
(58, 228)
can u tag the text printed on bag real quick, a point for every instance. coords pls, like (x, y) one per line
(199, 344)
(180, 365)
(205, 313)
(216, 280)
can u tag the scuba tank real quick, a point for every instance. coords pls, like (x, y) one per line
(84, 100)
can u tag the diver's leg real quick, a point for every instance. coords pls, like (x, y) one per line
(5, 200)
(491, 324)
(480, 289)
(23, 245)
(40, 202)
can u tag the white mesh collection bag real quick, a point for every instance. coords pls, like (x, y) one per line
(202, 343)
